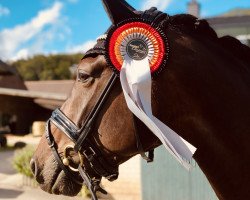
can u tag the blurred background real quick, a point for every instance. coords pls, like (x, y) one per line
(41, 44)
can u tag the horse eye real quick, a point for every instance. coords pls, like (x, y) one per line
(83, 76)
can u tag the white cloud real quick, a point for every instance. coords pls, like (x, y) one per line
(12, 39)
(21, 54)
(82, 48)
(38, 45)
(4, 11)
(160, 4)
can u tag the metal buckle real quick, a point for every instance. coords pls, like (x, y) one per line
(112, 177)
(52, 145)
(89, 152)
(66, 158)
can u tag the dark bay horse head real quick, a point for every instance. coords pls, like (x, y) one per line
(202, 93)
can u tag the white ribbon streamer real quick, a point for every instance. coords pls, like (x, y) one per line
(136, 83)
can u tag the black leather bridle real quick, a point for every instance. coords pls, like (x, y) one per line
(83, 146)
(80, 136)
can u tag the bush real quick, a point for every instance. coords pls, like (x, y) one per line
(21, 161)
(85, 192)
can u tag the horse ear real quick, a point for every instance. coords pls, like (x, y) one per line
(118, 10)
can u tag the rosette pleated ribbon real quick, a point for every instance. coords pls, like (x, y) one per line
(135, 77)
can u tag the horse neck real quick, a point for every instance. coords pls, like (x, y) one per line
(208, 105)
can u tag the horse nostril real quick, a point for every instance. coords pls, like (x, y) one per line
(33, 167)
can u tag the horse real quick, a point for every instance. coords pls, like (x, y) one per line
(203, 93)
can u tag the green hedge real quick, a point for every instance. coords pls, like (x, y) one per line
(21, 161)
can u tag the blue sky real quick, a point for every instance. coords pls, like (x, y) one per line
(31, 27)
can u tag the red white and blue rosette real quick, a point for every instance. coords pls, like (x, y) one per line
(137, 40)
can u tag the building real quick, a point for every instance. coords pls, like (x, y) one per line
(23, 103)
(235, 22)
(193, 8)
(60, 88)
(9, 78)
(11, 108)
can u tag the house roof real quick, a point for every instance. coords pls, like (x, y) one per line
(59, 89)
(6, 69)
(55, 86)
(49, 100)
(237, 12)
(9, 77)
(32, 94)
(234, 18)
(48, 94)
(223, 21)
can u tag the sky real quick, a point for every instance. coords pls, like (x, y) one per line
(29, 27)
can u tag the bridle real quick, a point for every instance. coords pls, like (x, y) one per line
(83, 146)
(80, 136)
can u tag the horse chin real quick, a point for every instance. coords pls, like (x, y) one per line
(65, 186)
(61, 185)
(55, 181)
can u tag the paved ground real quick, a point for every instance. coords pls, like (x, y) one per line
(6, 163)
(27, 193)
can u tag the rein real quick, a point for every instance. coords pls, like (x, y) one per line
(79, 136)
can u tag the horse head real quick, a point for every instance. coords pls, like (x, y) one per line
(94, 131)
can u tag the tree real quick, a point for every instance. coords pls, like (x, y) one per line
(52, 67)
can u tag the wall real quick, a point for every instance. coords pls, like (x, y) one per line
(25, 110)
(128, 185)
(166, 179)
(12, 81)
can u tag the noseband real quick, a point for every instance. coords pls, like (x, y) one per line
(79, 136)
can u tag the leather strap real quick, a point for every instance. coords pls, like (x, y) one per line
(88, 182)
(87, 126)
(150, 157)
(53, 146)
(100, 165)
(64, 124)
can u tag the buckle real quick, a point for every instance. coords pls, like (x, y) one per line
(66, 158)
(52, 144)
(89, 152)
(50, 141)
(112, 177)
